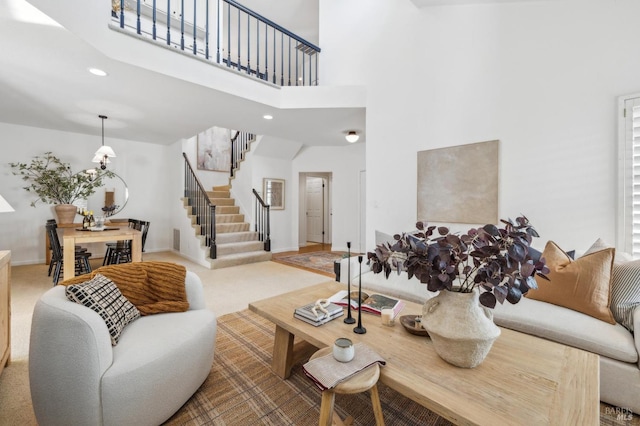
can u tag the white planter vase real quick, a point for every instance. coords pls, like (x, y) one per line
(462, 331)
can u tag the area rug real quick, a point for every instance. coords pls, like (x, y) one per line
(315, 261)
(242, 389)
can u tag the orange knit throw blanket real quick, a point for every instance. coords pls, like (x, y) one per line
(153, 287)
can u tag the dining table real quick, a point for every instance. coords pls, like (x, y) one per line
(73, 236)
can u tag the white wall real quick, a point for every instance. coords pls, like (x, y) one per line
(143, 167)
(277, 168)
(344, 164)
(542, 77)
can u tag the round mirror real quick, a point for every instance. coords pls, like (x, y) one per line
(110, 198)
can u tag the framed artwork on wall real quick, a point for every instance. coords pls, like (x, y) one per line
(459, 184)
(273, 193)
(214, 150)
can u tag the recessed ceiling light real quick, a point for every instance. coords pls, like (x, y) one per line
(267, 117)
(98, 72)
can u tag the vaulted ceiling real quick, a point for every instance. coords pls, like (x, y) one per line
(44, 83)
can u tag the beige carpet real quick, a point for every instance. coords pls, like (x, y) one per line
(226, 290)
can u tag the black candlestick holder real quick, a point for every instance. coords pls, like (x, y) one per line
(349, 319)
(360, 329)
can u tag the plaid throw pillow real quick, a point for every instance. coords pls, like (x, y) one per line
(102, 295)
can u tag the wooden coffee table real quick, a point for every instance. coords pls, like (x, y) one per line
(523, 380)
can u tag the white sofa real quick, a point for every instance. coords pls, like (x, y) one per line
(617, 347)
(78, 378)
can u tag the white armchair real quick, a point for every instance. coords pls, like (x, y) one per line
(78, 378)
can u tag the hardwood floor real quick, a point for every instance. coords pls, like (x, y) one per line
(309, 248)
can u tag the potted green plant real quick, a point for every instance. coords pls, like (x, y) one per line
(53, 182)
(484, 266)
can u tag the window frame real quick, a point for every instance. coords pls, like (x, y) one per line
(624, 219)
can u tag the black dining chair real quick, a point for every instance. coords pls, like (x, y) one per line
(52, 263)
(82, 265)
(120, 251)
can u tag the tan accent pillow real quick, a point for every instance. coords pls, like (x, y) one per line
(582, 285)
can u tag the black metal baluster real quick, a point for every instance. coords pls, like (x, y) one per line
(303, 64)
(297, 67)
(274, 56)
(206, 30)
(228, 35)
(194, 27)
(281, 59)
(121, 13)
(258, 48)
(267, 243)
(317, 59)
(289, 56)
(266, 52)
(238, 39)
(213, 254)
(138, 18)
(181, 24)
(310, 68)
(218, 31)
(168, 22)
(248, 44)
(154, 20)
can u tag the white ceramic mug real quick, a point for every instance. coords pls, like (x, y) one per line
(343, 349)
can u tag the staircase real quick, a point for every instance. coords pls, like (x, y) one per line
(236, 243)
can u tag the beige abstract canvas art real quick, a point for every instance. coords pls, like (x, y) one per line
(459, 184)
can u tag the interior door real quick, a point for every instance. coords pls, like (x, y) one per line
(315, 209)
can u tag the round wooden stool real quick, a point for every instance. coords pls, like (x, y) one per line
(364, 380)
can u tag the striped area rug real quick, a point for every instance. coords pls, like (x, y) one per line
(242, 390)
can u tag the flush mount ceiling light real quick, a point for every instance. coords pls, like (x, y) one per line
(267, 117)
(98, 72)
(352, 136)
(105, 152)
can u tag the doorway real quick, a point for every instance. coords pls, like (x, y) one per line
(315, 223)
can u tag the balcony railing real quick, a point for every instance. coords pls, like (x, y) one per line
(225, 32)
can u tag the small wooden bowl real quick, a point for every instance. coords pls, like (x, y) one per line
(409, 324)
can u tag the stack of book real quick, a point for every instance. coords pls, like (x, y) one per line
(306, 313)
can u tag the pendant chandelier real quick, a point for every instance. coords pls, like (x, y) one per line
(105, 152)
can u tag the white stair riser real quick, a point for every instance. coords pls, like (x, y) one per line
(234, 248)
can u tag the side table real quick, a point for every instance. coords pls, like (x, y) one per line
(5, 308)
(365, 380)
